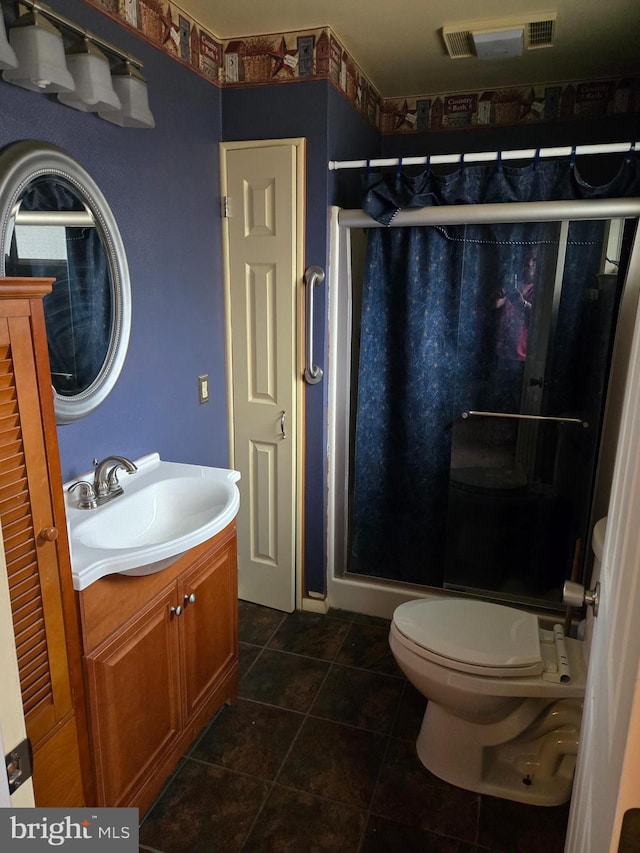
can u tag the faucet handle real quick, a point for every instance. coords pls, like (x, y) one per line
(113, 485)
(87, 497)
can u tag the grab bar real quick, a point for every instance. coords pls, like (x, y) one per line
(470, 413)
(312, 372)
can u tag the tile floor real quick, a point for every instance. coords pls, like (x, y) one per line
(317, 754)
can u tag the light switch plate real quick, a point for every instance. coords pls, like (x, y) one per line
(203, 388)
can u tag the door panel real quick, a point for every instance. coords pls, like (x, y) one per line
(607, 777)
(262, 269)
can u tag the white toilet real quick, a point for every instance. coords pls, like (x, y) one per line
(505, 696)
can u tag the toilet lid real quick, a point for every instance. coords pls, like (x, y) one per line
(476, 633)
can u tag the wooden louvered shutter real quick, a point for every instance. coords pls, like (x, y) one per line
(29, 522)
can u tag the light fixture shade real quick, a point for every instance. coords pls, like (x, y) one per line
(40, 52)
(91, 73)
(131, 88)
(8, 57)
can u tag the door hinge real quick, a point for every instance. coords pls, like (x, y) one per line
(19, 764)
(225, 207)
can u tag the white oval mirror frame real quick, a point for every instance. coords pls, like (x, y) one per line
(20, 164)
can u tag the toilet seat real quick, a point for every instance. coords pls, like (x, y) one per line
(466, 635)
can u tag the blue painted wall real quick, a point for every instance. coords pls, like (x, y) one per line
(333, 129)
(163, 188)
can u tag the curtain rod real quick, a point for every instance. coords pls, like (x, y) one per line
(486, 156)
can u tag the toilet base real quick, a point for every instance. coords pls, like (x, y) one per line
(529, 757)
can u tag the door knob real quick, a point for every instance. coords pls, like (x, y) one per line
(576, 595)
(49, 534)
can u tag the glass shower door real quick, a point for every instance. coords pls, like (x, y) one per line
(537, 319)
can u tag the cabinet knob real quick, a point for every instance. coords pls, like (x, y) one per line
(176, 611)
(49, 534)
(190, 599)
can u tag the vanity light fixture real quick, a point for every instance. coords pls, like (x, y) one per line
(40, 53)
(131, 88)
(90, 70)
(8, 57)
(85, 79)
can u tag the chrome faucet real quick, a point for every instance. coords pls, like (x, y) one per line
(105, 484)
(105, 479)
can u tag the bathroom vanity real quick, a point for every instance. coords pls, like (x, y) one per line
(161, 656)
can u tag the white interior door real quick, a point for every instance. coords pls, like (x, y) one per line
(262, 183)
(607, 780)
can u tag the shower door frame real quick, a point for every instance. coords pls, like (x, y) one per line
(377, 596)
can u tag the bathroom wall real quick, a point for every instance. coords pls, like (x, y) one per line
(333, 130)
(162, 186)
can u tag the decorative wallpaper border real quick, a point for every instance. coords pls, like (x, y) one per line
(318, 54)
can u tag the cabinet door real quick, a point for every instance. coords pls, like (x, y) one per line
(30, 527)
(208, 624)
(134, 689)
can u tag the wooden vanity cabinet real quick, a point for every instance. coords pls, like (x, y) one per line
(161, 658)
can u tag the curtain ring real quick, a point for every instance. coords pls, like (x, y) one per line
(399, 169)
(368, 172)
(462, 164)
(536, 160)
(429, 164)
(500, 161)
(572, 160)
(630, 152)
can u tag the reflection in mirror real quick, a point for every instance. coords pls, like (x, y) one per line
(55, 235)
(56, 224)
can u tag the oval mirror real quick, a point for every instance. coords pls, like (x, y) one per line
(55, 223)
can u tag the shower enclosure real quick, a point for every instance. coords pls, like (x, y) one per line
(506, 459)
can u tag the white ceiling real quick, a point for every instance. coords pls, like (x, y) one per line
(398, 43)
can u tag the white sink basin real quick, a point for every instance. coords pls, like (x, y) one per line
(166, 509)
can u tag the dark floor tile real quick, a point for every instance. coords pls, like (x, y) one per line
(289, 681)
(408, 793)
(249, 737)
(345, 615)
(256, 624)
(359, 698)
(410, 713)
(367, 646)
(382, 836)
(248, 654)
(363, 619)
(508, 827)
(292, 821)
(203, 810)
(312, 634)
(334, 761)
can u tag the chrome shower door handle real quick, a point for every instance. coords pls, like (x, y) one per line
(313, 276)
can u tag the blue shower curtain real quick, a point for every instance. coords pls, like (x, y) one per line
(428, 344)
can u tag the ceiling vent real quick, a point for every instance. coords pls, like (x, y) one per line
(539, 31)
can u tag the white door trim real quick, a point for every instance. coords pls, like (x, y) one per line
(299, 143)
